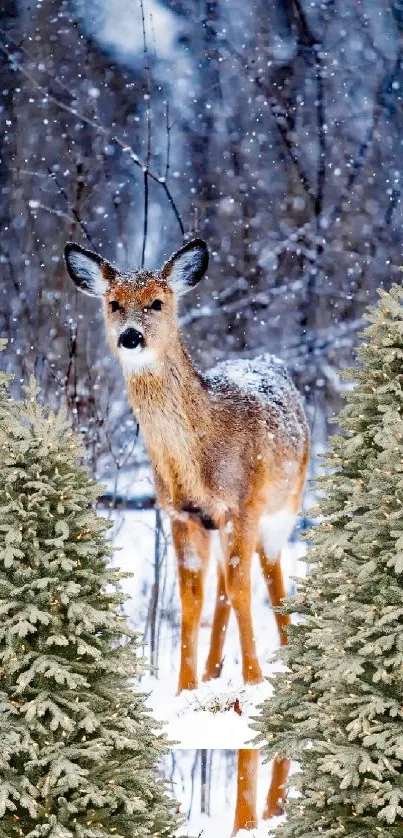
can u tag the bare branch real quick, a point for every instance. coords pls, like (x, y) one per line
(111, 501)
(168, 151)
(149, 126)
(72, 209)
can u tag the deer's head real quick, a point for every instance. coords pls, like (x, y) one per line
(140, 307)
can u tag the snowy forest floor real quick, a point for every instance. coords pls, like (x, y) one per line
(204, 718)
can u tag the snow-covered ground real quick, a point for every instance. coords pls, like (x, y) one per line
(205, 718)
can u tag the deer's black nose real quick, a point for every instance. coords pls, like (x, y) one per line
(130, 339)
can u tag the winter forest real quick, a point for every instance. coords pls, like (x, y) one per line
(271, 130)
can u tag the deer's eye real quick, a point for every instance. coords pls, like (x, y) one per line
(156, 305)
(114, 305)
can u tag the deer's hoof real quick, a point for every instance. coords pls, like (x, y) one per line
(253, 676)
(187, 684)
(273, 811)
(212, 672)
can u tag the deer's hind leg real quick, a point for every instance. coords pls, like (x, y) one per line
(277, 792)
(245, 811)
(192, 547)
(222, 611)
(270, 562)
(275, 585)
(274, 531)
(273, 576)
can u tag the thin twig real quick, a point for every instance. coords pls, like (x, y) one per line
(309, 310)
(145, 217)
(51, 210)
(173, 205)
(72, 209)
(192, 782)
(111, 501)
(321, 123)
(168, 151)
(149, 126)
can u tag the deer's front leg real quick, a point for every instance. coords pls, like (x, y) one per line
(192, 547)
(222, 610)
(240, 547)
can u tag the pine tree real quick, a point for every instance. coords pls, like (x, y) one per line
(78, 748)
(337, 708)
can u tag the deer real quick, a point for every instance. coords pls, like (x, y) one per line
(229, 449)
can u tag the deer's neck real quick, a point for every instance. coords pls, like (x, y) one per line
(173, 386)
(173, 409)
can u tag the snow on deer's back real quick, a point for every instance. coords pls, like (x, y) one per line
(262, 389)
(266, 379)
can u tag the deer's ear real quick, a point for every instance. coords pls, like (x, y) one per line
(88, 270)
(187, 266)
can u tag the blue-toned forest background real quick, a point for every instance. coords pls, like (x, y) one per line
(272, 130)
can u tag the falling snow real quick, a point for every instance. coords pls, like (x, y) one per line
(275, 138)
